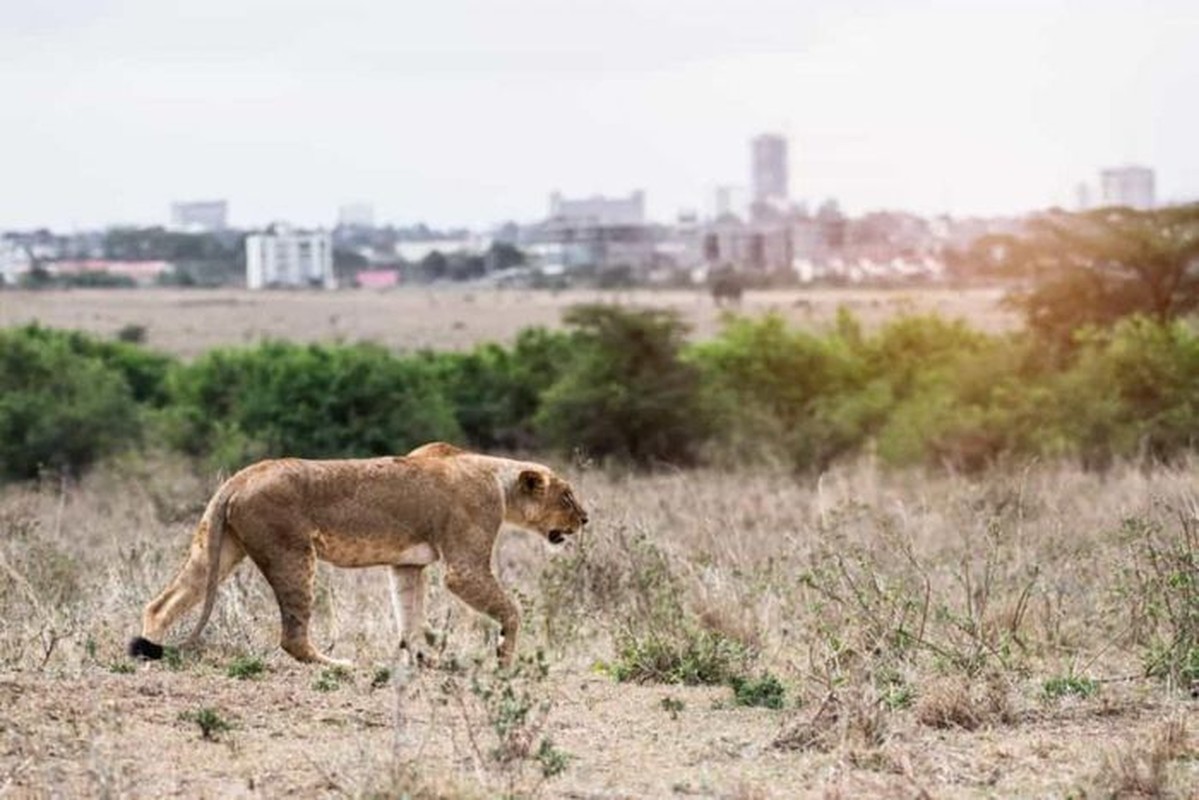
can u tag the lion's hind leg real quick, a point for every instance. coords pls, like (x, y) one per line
(292, 576)
(182, 593)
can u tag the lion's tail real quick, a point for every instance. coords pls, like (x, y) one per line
(216, 515)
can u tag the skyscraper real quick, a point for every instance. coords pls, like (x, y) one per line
(769, 177)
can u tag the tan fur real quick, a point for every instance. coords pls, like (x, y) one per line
(437, 503)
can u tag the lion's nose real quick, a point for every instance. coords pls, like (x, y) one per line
(583, 514)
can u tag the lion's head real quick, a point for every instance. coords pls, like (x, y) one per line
(544, 503)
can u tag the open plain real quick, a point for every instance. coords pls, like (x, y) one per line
(188, 322)
(927, 635)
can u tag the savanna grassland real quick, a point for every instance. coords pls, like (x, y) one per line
(193, 321)
(905, 557)
(867, 633)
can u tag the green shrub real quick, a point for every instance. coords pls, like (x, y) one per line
(690, 657)
(627, 393)
(496, 392)
(381, 678)
(762, 692)
(331, 679)
(209, 720)
(1134, 391)
(246, 668)
(803, 396)
(312, 401)
(59, 408)
(1063, 685)
(143, 370)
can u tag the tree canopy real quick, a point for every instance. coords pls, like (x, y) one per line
(1097, 267)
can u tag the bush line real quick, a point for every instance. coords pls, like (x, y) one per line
(623, 385)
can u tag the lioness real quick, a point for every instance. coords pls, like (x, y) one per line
(406, 512)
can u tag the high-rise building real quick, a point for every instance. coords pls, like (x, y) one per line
(769, 177)
(1127, 186)
(284, 257)
(204, 216)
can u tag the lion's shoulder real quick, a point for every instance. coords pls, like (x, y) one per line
(437, 450)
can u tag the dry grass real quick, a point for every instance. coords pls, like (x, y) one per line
(189, 322)
(912, 618)
(1146, 765)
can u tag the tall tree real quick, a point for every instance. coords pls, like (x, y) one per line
(1099, 266)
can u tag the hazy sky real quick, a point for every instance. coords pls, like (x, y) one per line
(472, 111)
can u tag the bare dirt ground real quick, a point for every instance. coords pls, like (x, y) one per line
(935, 637)
(188, 322)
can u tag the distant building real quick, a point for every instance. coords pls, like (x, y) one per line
(727, 199)
(599, 210)
(597, 232)
(142, 273)
(356, 215)
(204, 216)
(14, 261)
(377, 278)
(1128, 186)
(285, 257)
(769, 177)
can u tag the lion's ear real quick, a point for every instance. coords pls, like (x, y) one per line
(531, 481)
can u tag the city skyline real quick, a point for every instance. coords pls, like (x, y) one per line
(476, 114)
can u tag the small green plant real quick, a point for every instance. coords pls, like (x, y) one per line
(672, 706)
(89, 647)
(1063, 685)
(210, 721)
(763, 692)
(246, 668)
(1162, 590)
(552, 760)
(689, 657)
(330, 679)
(121, 667)
(897, 696)
(173, 658)
(381, 678)
(509, 710)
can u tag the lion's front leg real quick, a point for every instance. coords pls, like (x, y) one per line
(479, 589)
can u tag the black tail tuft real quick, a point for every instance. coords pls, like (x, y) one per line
(144, 648)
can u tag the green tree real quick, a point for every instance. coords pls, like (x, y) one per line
(502, 255)
(1133, 392)
(627, 393)
(803, 396)
(1103, 265)
(496, 391)
(59, 408)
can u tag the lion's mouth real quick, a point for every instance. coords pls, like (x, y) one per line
(557, 536)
